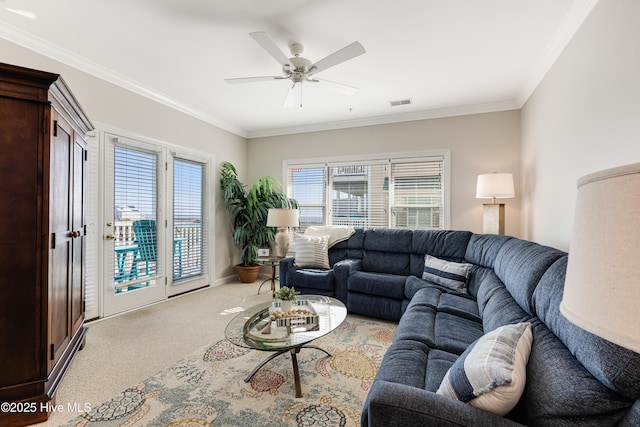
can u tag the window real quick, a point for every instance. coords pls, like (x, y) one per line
(188, 219)
(398, 192)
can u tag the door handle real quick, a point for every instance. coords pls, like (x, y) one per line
(110, 236)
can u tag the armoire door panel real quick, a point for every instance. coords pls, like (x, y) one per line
(61, 255)
(78, 221)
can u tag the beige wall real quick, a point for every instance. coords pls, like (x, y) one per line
(116, 107)
(583, 117)
(480, 143)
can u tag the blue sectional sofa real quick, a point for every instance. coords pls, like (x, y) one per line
(573, 378)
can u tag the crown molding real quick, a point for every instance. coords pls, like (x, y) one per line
(573, 20)
(462, 110)
(55, 52)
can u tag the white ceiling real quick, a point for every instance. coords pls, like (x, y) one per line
(448, 56)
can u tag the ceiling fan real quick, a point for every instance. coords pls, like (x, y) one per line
(298, 69)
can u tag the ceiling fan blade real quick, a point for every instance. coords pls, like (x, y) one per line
(267, 44)
(338, 87)
(253, 79)
(342, 55)
(294, 96)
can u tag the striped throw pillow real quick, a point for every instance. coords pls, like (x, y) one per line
(453, 275)
(311, 251)
(492, 372)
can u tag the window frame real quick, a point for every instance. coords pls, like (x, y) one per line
(391, 158)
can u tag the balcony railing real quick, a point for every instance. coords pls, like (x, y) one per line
(187, 257)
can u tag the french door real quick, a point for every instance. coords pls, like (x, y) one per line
(155, 221)
(134, 218)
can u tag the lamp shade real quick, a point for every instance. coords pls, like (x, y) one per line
(602, 287)
(282, 218)
(495, 185)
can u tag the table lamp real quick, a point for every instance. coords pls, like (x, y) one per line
(494, 186)
(282, 218)
(602, 287)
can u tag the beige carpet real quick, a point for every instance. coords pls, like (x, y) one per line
(169, 364)
(122, 351)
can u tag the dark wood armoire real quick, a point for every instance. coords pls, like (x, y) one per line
(42, 237)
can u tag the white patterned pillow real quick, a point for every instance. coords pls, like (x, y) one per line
(311, 251)
(453, 275)
(492, 372)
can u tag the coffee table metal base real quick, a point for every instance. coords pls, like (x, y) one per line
(294, 360)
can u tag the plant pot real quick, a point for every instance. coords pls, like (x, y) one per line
(248, 273)
(287, 305)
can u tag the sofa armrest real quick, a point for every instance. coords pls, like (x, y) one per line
(341, 271)
(391, 404)
(285, 264)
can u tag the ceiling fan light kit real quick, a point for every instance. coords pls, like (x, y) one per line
(298, 69)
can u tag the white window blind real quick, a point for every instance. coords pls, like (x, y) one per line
(358, 197)
(94, 238)
(308, 186)
(189, 225)
(135, 212)
(418, 195)
(388, 192)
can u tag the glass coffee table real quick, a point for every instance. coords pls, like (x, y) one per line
(253, 328)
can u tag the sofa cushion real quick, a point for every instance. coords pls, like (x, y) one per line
(483, 249)
(501, 309)
(380, 284)
(437, 329)
(442, 299)
(310, 278)
(445, 244)
(511, 260)
(415, 364)
(491, 373)
(613, 365)
(375, 306)
(387, 251)
(453, 275)
(311, 251)
(561, 392)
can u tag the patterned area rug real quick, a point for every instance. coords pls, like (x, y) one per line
(207, 388)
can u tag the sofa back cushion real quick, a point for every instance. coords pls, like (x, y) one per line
(614, 366)
(352, 248)
(387, 250)
(483, 249)
(444, 244)
(561, 392)
(520, 265)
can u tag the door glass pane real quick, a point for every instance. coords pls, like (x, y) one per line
(135, 207)
(188, 219)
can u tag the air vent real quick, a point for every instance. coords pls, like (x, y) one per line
(401, 102)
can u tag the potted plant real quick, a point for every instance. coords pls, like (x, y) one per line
(248, 209)
(287, 296)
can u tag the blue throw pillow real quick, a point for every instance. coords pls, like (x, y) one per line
(453, 275)
(491, 373)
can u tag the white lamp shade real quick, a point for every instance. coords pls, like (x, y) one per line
(282, 218)
(602, 288)
(498, 185)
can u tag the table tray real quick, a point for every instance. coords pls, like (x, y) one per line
(309, 322)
